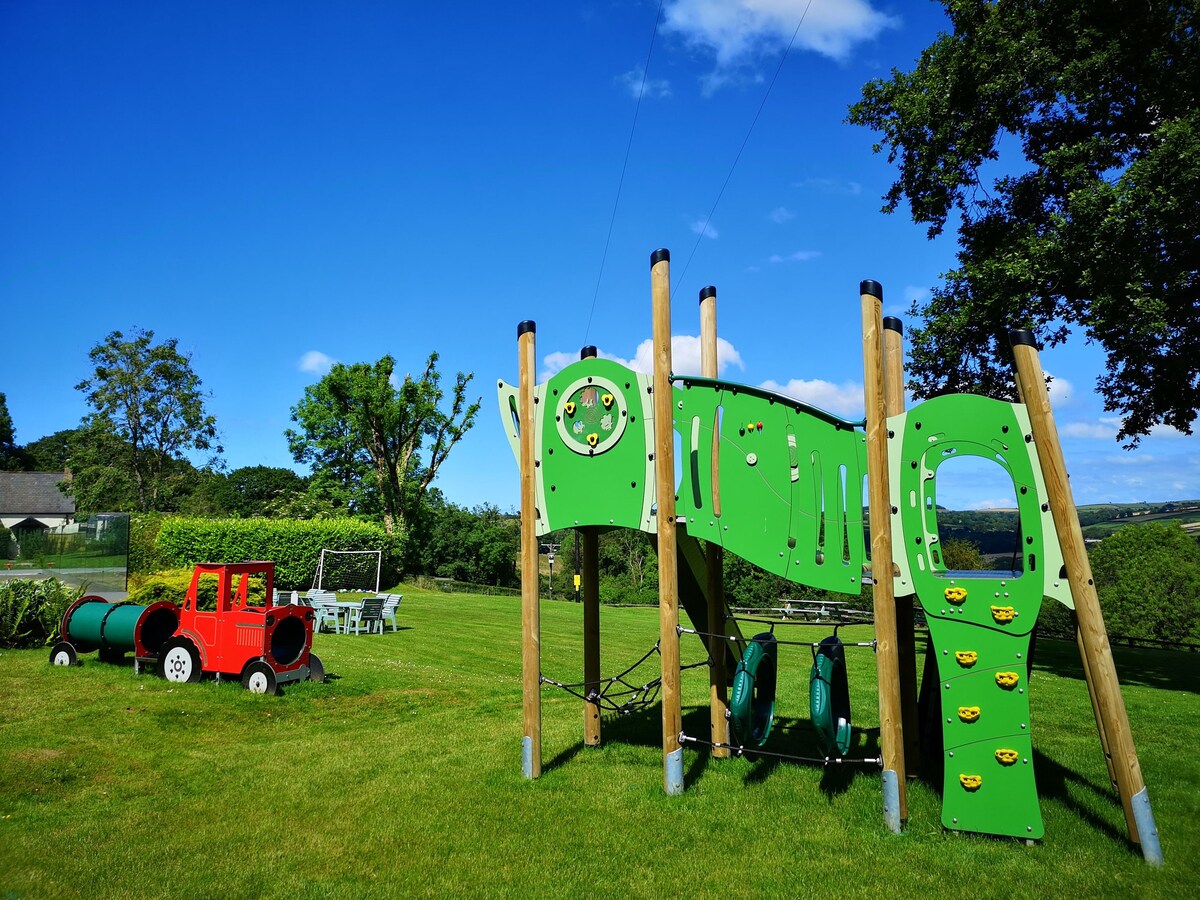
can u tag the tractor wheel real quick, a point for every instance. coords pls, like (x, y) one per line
(178, 660)
(316, 669)
(63, 654)
(259, 678)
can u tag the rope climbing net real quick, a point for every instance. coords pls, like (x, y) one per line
(618, 693)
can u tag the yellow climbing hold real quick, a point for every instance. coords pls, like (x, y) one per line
(956, 595)
(966, 658)
(1007, 680)
(970, 782)
(607, 400)
(1006, 757)
(968, 713)
(593, 439)
(570, 407)
(1003, 614)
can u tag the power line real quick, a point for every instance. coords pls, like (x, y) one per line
(745, 140)
(624, 166)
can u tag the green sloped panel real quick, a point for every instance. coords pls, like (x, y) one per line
(828, 511)
(595, 439)
(990, 788)
(787, 486)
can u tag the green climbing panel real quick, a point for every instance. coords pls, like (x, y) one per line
(593, 446)
(776, 482)
(979, 622)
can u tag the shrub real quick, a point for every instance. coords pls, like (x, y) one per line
(31, 611)
(143, 533)
(173, 585)
(294, 546)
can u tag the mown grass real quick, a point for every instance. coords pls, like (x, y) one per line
(402, 777)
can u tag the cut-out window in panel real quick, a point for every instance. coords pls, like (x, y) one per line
(971, 516)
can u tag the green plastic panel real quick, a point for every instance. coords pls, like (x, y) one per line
(1005, 800)
(788, 482)
(593, 446)
(979, 622)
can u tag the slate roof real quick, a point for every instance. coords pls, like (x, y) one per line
(34, 494)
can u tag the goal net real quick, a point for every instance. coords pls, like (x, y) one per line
(348, 570)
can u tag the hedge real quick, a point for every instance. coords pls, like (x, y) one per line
(31, 611)
(293, 545)
(173, 585)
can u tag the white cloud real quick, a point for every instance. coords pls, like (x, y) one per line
(798, 256)
(636, 83)
(741, 32)
(1094, 431)
(992, 503)
(700, 226)
(830, 186)
(685, 357)
(1061, 391)
(1166, 431)
(845, 399)
(316, 362)
(781, 214)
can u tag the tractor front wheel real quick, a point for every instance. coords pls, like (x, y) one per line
(179, 660)
(259, 678)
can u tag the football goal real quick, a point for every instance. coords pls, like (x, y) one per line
(348, 570)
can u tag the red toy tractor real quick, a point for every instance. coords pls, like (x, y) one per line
(244, 635)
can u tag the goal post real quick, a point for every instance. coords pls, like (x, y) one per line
(348, 570)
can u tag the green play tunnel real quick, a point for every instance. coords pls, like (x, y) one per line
(92, 623)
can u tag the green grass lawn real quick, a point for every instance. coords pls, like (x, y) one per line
(403, 777)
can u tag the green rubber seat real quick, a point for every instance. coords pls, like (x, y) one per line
(752, 705)
(829, 697)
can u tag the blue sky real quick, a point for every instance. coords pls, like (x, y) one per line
(280, 185)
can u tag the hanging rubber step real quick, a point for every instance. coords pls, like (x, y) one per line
(829, 697)
(752, 706)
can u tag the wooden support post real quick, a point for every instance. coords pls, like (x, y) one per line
(531, 629)
(668, 574)
(1096, 713)
(891, 737)
(590, 591)
(717, 676)
(1093, 637)
(906, 637)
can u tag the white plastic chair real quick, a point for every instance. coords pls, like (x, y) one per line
(322, 602)
(369, 613)
(390, 603)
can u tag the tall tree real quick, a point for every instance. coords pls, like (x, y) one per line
(357, 428)
(146, 397)
(50, 453)
(1094, 230)
(10, 454)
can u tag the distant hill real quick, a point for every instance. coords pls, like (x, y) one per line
(994, 531)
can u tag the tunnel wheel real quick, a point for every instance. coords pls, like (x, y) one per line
(63, 654)
(316, 669)
(259, 678)
(179, 661)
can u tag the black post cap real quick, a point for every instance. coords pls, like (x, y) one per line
(527, 327)
(874, 288)
(891, 323)
(1022, 337)
(659, 255)
(706, 292)
(588, 352)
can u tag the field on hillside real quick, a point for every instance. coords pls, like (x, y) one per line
(402, 776)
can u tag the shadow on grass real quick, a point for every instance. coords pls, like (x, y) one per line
(1053, 781)
(1171, 670)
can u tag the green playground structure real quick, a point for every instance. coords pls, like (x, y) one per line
(780, 484)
